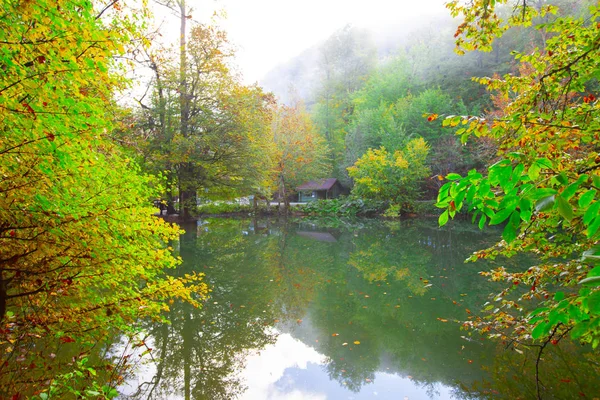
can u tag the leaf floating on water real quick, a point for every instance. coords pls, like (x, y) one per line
(366, 296)
(463, 294)
(345, 344)
(356, 342)
(431, 284)
(442, 320)
(335, 334)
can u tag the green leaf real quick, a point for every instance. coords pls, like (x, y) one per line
(594, 302)
(580, 329)
(500, 216)
(482, 222)
(538, 311)
(525, 207)
(534, 172)
(591, 280)
(564, 208)
(592, 254)
(555, 316)
(540, 193)
(443, 219)
(558, 296)
(593, 227)
(562, 178)
(591, 213)
(453, 176)
(540, 330)
(545, 204)
(510, 230)
(570, 190)
(587, 198)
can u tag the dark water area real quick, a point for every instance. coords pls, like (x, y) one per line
(367, 309)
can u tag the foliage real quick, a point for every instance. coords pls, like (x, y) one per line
(221, 207)
(545, 186)
(344, 206)
(301, 153)
(382, 175)
(81, 257)
(388, 112)
(219, 140)
(345, 60)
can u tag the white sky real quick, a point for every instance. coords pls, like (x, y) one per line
(270, 32)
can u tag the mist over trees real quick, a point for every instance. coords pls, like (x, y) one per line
(368, 90)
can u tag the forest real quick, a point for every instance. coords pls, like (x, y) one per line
(489, 114)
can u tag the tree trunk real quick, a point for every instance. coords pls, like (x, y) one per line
(169, 191)
(183, 100)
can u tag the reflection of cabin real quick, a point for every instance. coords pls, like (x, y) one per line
(319, 190)
(320, 236)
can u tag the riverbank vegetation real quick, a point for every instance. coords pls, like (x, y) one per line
(544, 185)
(82, 258)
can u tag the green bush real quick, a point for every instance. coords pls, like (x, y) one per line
(219, 207)
(344, 206)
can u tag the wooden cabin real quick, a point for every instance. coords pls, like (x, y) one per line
(319, 189)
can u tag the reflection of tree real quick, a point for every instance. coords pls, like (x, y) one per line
(567, 371)
(201, 351)
(382, 256)
(374, 303)
(364, 287)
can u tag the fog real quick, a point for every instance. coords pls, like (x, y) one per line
(269, 33)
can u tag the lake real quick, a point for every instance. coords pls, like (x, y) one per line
(328, 309)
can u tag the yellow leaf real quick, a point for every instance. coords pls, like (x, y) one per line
(356, 342)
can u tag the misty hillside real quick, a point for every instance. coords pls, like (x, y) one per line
(300, 77)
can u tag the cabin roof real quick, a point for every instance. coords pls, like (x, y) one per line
(319, 184)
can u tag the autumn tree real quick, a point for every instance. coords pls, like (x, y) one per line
(81, 256)
(544, 188)
(225, 148)
(392, 176)
(301, 153)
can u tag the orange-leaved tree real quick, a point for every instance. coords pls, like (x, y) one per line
(301, 153)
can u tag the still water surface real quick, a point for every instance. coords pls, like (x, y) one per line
(341, 310)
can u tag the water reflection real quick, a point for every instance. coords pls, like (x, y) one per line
(317, 309)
